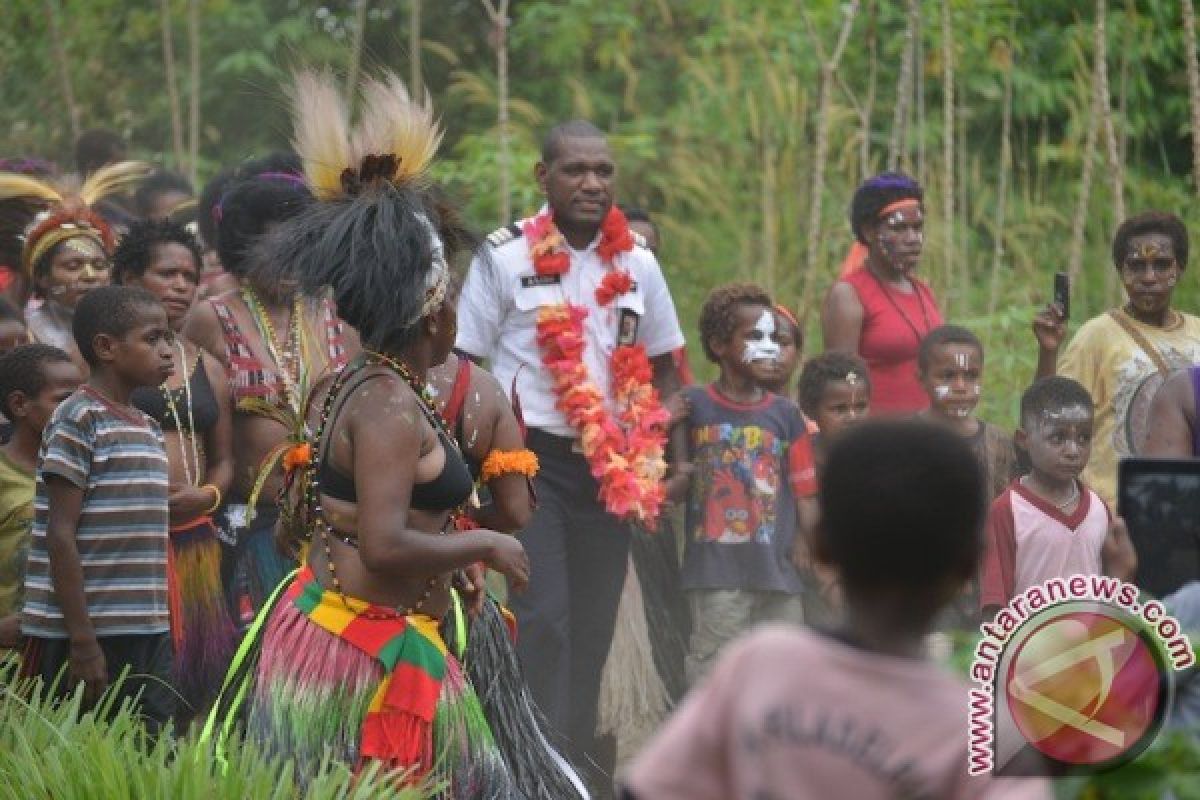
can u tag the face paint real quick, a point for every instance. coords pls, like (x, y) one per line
(1067, 415)
(962, 360)
(763, 348)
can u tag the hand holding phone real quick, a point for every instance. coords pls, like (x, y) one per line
(1062, 293)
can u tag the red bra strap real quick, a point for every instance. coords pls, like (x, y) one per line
(458, 393)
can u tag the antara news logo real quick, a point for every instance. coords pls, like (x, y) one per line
(1075, 674)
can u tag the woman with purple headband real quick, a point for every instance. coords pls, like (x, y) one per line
(877, 309)
(274, 343)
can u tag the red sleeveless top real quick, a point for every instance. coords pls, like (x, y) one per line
(894, 323)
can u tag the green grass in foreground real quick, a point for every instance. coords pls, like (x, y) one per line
(50, 750)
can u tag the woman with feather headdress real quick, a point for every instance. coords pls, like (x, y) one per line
(66, 244)
(348, 659)
(275, 344)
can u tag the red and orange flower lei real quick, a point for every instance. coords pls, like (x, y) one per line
(625, 451)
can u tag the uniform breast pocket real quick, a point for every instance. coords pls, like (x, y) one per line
(528, 299)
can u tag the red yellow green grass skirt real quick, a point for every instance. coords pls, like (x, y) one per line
(341, 677)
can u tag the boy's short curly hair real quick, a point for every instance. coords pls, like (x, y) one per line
(22, 369)
(823, 370)
(718, 315)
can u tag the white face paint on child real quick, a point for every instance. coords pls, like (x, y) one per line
(761, 344)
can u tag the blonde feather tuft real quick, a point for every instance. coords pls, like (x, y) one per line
(394, 123)
(113, 179)
(14, 184)
(322, 130)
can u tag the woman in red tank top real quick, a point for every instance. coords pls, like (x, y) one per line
(878, 309)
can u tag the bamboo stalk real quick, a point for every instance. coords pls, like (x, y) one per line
(498, 14)
(821, 153)
(919, 98)
(948, 140)
(1002, 181)
(59, 48)
(1116, 169)
(356, 48)
(1079, 223)
(898, 142)
(1193, 73)
(770, 227)
(414, 46)
(194, 100)
(168, 46)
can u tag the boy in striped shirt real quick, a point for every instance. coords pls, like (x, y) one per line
(96, 581)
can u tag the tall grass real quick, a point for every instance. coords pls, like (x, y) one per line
(52, 750)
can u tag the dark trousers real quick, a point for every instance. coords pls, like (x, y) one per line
(149, 659)
(578, 554)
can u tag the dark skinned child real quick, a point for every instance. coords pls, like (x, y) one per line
(34, 379)
(794, 712)
(1048, 524)
(752, 479)
(100, 517)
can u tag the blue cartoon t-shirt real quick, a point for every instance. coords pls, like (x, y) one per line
(750, 462)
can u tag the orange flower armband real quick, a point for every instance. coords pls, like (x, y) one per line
(508, 462)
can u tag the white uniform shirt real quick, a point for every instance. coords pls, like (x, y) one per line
(497, 320)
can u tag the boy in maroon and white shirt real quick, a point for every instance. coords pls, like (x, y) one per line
(1048, 524)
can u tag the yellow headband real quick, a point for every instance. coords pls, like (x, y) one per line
(50, 239)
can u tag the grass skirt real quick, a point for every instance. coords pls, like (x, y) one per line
(313, 690)
(202, 632)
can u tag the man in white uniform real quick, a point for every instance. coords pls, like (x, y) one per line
(578, 551)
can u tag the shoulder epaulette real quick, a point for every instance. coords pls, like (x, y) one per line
(504, 235)
(638, 239)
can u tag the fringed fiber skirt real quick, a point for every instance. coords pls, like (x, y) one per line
(202, 632)
(362, 683)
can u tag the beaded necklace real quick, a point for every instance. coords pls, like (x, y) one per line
(189, 435)
(286, 355)
(920, 303)
(312, 491)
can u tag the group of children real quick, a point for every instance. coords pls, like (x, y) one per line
(751, 460)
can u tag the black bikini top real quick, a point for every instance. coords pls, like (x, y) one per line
(447, 491)
(152, 401)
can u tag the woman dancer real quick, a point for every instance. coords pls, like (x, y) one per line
(193, 408)
(275, 344)
(350, 662)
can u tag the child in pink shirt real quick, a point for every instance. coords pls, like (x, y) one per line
(1048, 524)
(795, 713)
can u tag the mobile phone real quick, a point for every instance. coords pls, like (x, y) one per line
(1159, 499)
(1062, 293)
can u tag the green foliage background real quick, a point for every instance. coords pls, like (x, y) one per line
(712, 105)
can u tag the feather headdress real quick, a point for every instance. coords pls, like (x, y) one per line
(393, 144)
(63, 211)
(394, 141)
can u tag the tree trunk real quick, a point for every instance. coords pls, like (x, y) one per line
(1002, 181)
(948, 141)
(821, 153)
(356, 48)
(168, 55)
(1193, 73)
(898, 142)
(868, 107)
(59, 47)
(194, 103)
(499, 17)
(414, 46)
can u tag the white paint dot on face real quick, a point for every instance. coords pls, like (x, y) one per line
(962, 360)
(941, 392)
(764, 348)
